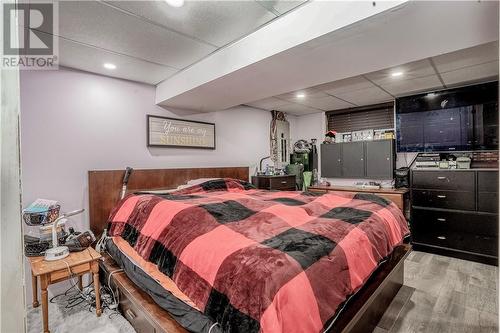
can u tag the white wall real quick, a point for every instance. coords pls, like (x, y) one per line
(11, 255)
(74, 121)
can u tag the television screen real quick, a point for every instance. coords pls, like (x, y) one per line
(461, 119)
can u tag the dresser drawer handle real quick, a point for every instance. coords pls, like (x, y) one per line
(284, 182)
(441, 220)
(130, 314)
(441, 178)
(441, 237)
(441, 196)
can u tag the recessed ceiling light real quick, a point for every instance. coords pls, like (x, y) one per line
(175, 3)
(396, 74)
(300, 95)
(109, 66)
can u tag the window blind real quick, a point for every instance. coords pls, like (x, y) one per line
(379, 116)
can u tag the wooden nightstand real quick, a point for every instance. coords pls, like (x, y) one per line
(282, 183)
(55, 271)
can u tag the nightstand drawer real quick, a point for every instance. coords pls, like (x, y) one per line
(443, 180)
(444, 199)
(282, 183)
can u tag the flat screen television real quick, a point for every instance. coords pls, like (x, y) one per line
(461, 119)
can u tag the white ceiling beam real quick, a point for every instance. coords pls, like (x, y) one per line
(327, 41)
(308, 22)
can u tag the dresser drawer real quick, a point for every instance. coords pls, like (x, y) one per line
(487, 181)
(487, 202)
(443, 220)
(462, 231)
(444, 199)
(487, 188)
(482, 245)
(444, 180)
(282, 183)
(135, 316)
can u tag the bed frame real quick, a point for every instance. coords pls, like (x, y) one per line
(361, 314)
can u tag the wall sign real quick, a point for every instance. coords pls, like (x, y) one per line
(172, 132)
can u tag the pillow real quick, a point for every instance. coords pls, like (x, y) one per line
(199, 181)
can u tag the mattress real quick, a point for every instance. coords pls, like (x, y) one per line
(161, 289)
(251, 260)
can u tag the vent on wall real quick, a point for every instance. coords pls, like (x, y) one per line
(378, 116)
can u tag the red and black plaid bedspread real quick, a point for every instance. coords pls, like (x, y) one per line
(256, 260)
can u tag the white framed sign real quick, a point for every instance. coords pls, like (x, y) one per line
(180, 133)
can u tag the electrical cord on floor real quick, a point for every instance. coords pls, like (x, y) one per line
(74, 297)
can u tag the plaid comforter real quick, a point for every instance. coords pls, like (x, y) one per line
(255, 260)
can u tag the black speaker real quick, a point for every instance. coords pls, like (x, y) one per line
(402, 177)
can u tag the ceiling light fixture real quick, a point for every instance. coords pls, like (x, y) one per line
(175, 3)
(300, 95)
(396, 74)
(109, 66)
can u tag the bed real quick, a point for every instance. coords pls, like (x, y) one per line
(222, 256)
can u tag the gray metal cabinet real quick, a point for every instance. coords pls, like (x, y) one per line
(331, 160)
(353, 165)
(366, 159)
(379, 159)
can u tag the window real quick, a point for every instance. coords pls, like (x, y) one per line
(378, 116)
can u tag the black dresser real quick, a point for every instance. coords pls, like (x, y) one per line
(455, 213)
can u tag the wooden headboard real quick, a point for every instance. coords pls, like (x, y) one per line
(105, 186)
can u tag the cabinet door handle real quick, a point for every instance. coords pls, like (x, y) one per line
(441, 237)
(441, 178)
(361, 159)
(441, 220)
(441, 196)
(130, 314)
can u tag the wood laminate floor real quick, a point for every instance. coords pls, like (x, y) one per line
(443, 294)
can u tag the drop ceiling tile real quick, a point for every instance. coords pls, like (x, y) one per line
(309, 93)
(326, 103)
(216, 22)
(467, 57)
(471, 73)
(405, 86)
(297, 109)
(270, 103)
(92, 59)
(410, 71)
(280, 6)
(345, 85)
(366, 96)
(99, 25)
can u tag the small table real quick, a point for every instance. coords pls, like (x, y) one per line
(50, 272)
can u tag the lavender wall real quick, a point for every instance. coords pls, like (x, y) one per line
(72, 122)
